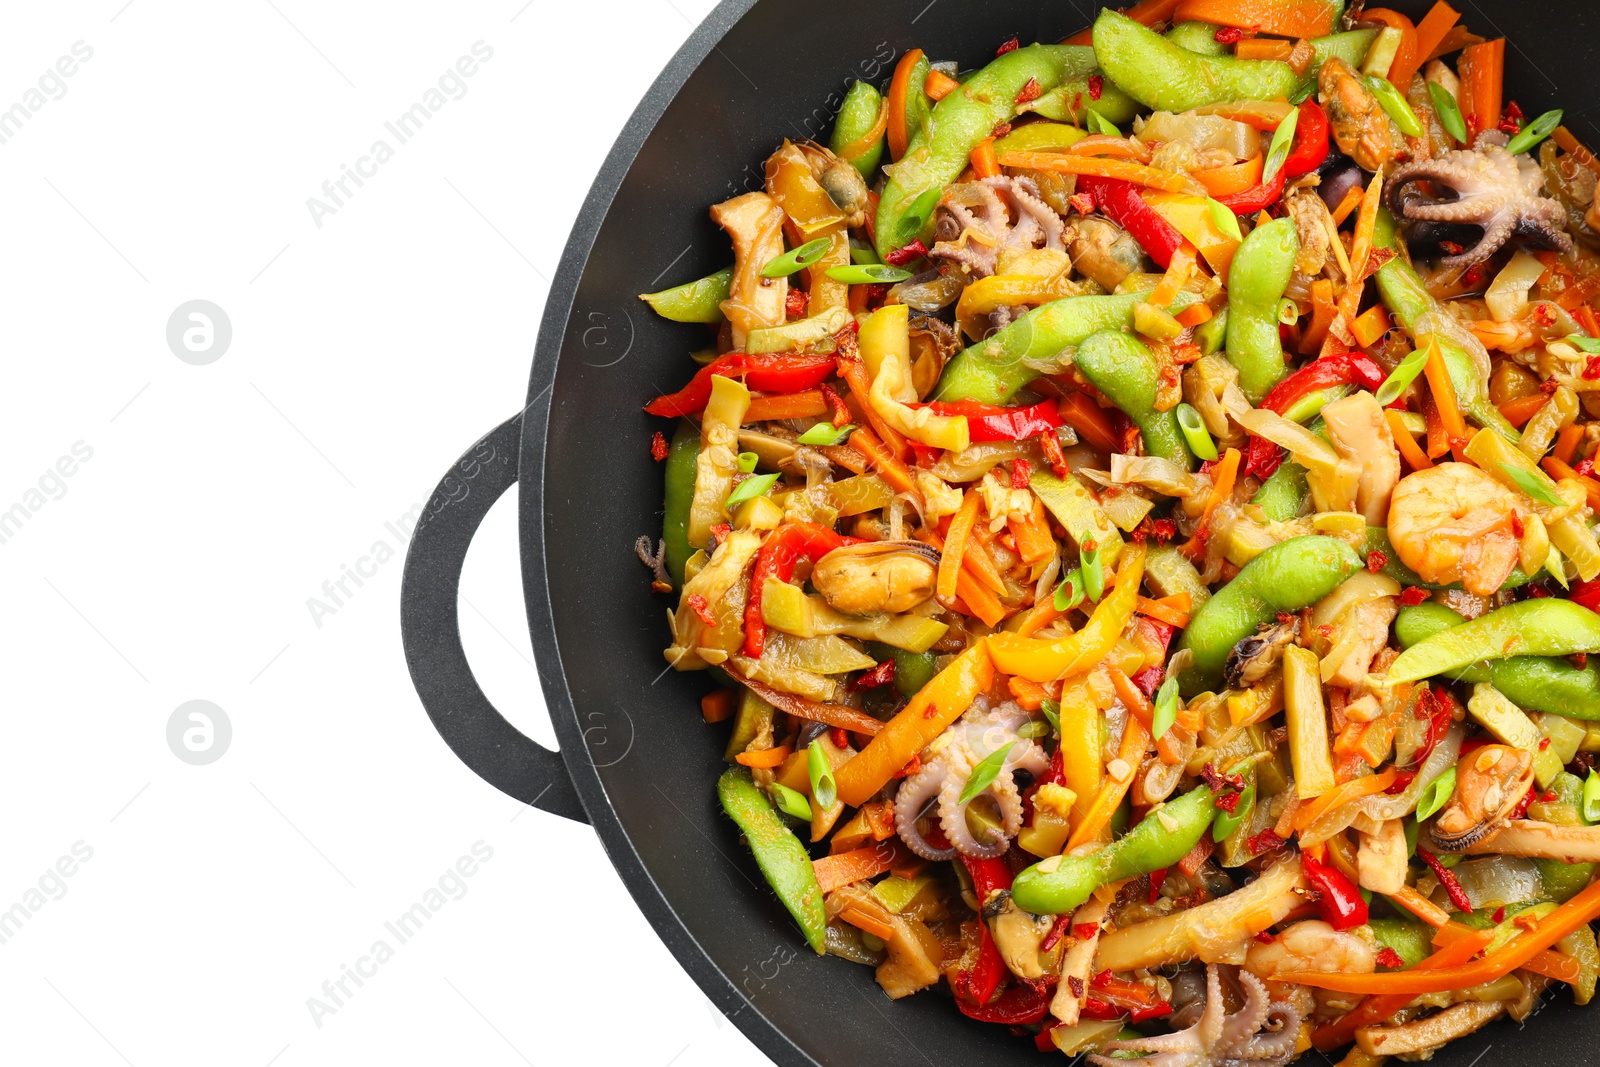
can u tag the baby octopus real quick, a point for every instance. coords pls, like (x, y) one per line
(976, 219)
(1219, 1039)
(1487, 188)
(935, 789)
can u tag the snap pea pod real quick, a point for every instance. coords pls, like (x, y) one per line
(993, 369)
(1197, 37)
(1163, 74)
(1412, 305)
(1289, 576)
(778, 852)
(1543, 627)
(1412, 941)
(1283, 495)
(1537, 683)
(939, 149)
(1126, 371)
(697, 301)
(682, 459)
(1057, 885)
(857, 115)
(1257, 279)
(1076, 95)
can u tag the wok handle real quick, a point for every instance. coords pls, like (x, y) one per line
(430, 630)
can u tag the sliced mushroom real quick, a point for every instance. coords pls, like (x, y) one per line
(878, 577)
(1018, 935)
(914, 951)
(1426, 1034)
(1490, 782)
(1256, 656)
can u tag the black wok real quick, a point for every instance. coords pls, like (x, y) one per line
(635, 759)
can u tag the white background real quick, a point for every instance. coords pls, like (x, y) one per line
(176, 563)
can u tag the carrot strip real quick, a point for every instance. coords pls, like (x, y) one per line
(1415, 458)
(1222, 479)
(1101, 144)
(867, 923)
(1132, 696)
(1135, 741)
(980, 602)
(717, 705)
(955, 544)
(1423, 908)
(1169, 615)
(983, 159)
(940, 85)
(1233, 178)
(894, 472)
(1322, 312)
(1444, 395)
(1028, 693)
(1138, 173)
(1431, 30)
(1195, 315)
(1354, 789)
(979, 560)
(846, 867)
(1567, 442)
(803, 405)
(899, 89)
(1351, 200)
(1482, 70)
(1519, 411)
(1087, 417)
(1264, 48)
(1438, 440)
(1178, 272)
(1289, 18)
(766, 757)
(1455, 40)
(1033, 538)
(1370, 325)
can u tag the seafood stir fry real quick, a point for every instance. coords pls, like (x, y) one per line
(1134, 513)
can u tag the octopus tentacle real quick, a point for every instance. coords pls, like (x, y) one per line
(953, 820)
(917, 799)
(1219, 1039)
(1247, 1020)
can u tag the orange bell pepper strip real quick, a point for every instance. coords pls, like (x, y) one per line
(1165, 612)
(846, 867)
(899, 89)
(1579, 911)
(896, 473)
(1378, 1009)
(1232, 179)
(766, 757)
(955, 544)
(1045, 661)
(1285, 18)
(1099, 166)
(939, 703)
(1414, 456)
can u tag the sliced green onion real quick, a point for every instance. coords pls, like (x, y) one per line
(1288, 311)
(1591, 798)
(1534, 132)
(748, 461)
(1224, 219)
(1051, 711)
(1033, 730)
(1069, 594)
(1401, 377)
(1437, 795)
(750, 488)
(1229, 821)
(1282, 142)
(1195, 432)
(1529, 483)
(794, 259)
(984, 774)
(825, 433)
(791, 802)
(1394, 105)
(863, 255)
(917, 216)
(1449, 112)
(1094, 574)
(1166, 707)
(868, 274)
(1590, 345)
(823, 788)
(1302, 94)
(1102, 124)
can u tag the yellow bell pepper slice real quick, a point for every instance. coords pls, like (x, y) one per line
(1045, 661)
(886, 351)
(1191, 216)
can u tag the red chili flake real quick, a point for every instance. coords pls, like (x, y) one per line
(1544, 314)
(1547, 796)
(1265, 937)
(882, 674)
(1522, 805)
(931, 712)
(1413, 595)
(927, 458)
(1009, 46)
(1057, 932)
(1584, 468)
(1513, 111)
(1390, 958)
(698, 605)
(1451, 247)
(841, 411)
(658, 447)
(875, 294)
(795, 304)
(1549, 386)
(1032, 91)
(1156, 880)
(1000, 130)
(1228, 802)
(1075, 984)
(909, 769)
(844, 342)
(1097, 85)
(720, 532)
(1402, 779)
(1591, 369)
(1163, 530)
(1082, 203)
(1516, 525)
(1579, 660)
(1452, 888)
(1265, 841)
(1053, 454)
(1376, 561)
(1499, 915)
(1228, 35)
(1544, 743)
(840, 737)
(1084, 932)
(1474, 275)
(1020, 469)
(906, 253)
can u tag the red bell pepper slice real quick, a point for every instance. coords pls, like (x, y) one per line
(1586, 593)
(1102, 1010)
(1310, 142)
(987, 423)
(1120, 202)
(1252, 201)
(1343, 368)
(782, 550)
(980, 983)
(770, 372)
(1339, 903)
(1022, 1004)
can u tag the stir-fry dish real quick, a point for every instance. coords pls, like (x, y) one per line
(1136, 519)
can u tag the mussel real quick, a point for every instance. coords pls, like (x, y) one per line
(1490, 782)
(877, 577)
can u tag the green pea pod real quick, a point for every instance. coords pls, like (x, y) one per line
(1057, 885)
(1212, 334)
(993, 369)
(938, 149)
(1071, 100)
(682, 456)
(779, 853)
(1198, 37)
(1412, 941)
(1538, 683)
(1282, 496)
(1126, 371)
(1289, 576)
(1543, 627)
(1411, 304)
(857, 115)
(1257, 279)
(699, 301)
(1165, 75)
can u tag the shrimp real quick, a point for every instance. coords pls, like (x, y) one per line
(1454, 523)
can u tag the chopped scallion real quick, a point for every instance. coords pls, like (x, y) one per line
(1094, 573)
(1069, 594)
(1033, 730)
(791, 802)
(984, 774)
(1051, 711)
(917, 215)
(1401, 377)
(1534, 132)
(1224, 219)
(1531, 484)
(823, 788)
(1282, 142)
(1102, 124)
(748, 461)
(868, 274)
(1166, 712)
(1437, 795)
(826, 433)
(1449, 112)
(796, 258)
(751, 488)
(1394, 105)
(1195, 432)
(1591, 798)
(1590, 345)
